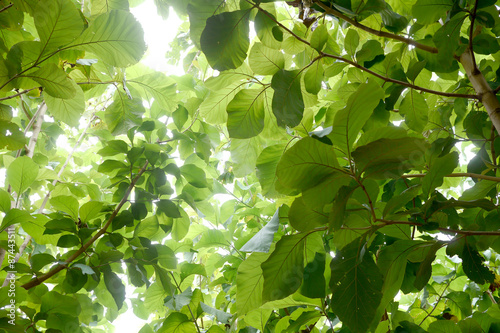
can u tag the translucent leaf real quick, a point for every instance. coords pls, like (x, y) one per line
(54, 81)
(246, 114)
(288, 103)
(262, 240)
(264, 60)
(68, 110)
(22, 173)
(415, 110)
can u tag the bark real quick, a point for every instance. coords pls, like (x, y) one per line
(482, 88)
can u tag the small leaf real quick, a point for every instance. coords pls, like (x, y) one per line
(53, 302)
(22, 173)
(313, 78)
(440, 168)
(124, 114)
(178, 322)
(472, 263)
(11, 137)
(429, 11)
(288, 103)
(351, 41)
(89, 210)
(67, 110)
(68, 241)
(319, 37)
(194, 175)
(225, 39)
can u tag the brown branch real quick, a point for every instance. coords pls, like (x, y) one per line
(36, 281)
(18, 94)
(471, 36)
(379, 33)
(355, 64)
(444, 230)
(458, 174)
(6, 7)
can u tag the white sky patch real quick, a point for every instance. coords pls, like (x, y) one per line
(158, 34)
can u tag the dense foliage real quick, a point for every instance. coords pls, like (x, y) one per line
(322, 166)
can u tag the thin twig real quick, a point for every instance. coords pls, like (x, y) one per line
(379, 33)
(444, 230)
(492, 146)
(437, 302)
(458, 174)
(36, 281)
(189, 308)
(6, 7)
(355, 64)
(18, 94)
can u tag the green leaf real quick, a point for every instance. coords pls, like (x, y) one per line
(221, 316)
(262, 240)
(246, 114)
(356, 284)
(479, 190)
(349, 121)
(194, 175)
(68, 241)
(67, 110)
(169, 208)
(415, 110)
(460, 304)
(319, 37)
(22, 173)
(115, 37)
(304, 218)
(250, 283)
(441, 167)
(178, 322)
(123, 114)
(53, 302)
(14, 216)
(54, 81)
(5, 201)
(225, 39)
(314, 284)
(351, 41)
(389, 158)
(115, 287)
(485, 44)
(66, 204)
(472, 263)
(103, 6)
(306, 164)
(264, 60)
(313, 78)
(429, 11)
(288, 103)
(147, 227)
(11, 136)
(90, 210)
(444, 326)
(424, 271)
(400, 200)
(267, 163)
(158, 86)
(58, 23)
(369, 51)
(38, 261)
(188, 269)
(284, 268)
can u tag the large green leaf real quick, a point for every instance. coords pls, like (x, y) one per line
(115, 287)
(389, 158)
(69, 110)
(54, 81)
(58, 23)
(158, 86)
(356, 284)
(250, 282)
(123, 114)
(472, 263)
(288, 103)
(306, 164)
(414, 108)
(11, 136)
(54, 302)
(284, 268)
(264, 60)
(178, 322)
(66, 204)
(22, 173)
(266, 168)
(98, 7)
(429, 11)
(225, 39)
(245, 114)
(304, 218)
(349, 121)
(115, 37)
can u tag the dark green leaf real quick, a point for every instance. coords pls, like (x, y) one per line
(288, 103)
(115, 287)
(472, 263)
(314, 284)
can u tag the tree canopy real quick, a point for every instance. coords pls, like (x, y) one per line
(321, 166)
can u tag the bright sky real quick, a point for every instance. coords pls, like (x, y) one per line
(158, 34)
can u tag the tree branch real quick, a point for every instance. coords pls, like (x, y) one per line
(458, 174)
(355, 64)
(379, 33)
(482, 88)
(475, 70)
(6, 7)
(18, 94)
(36, 281)
(443, 230)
